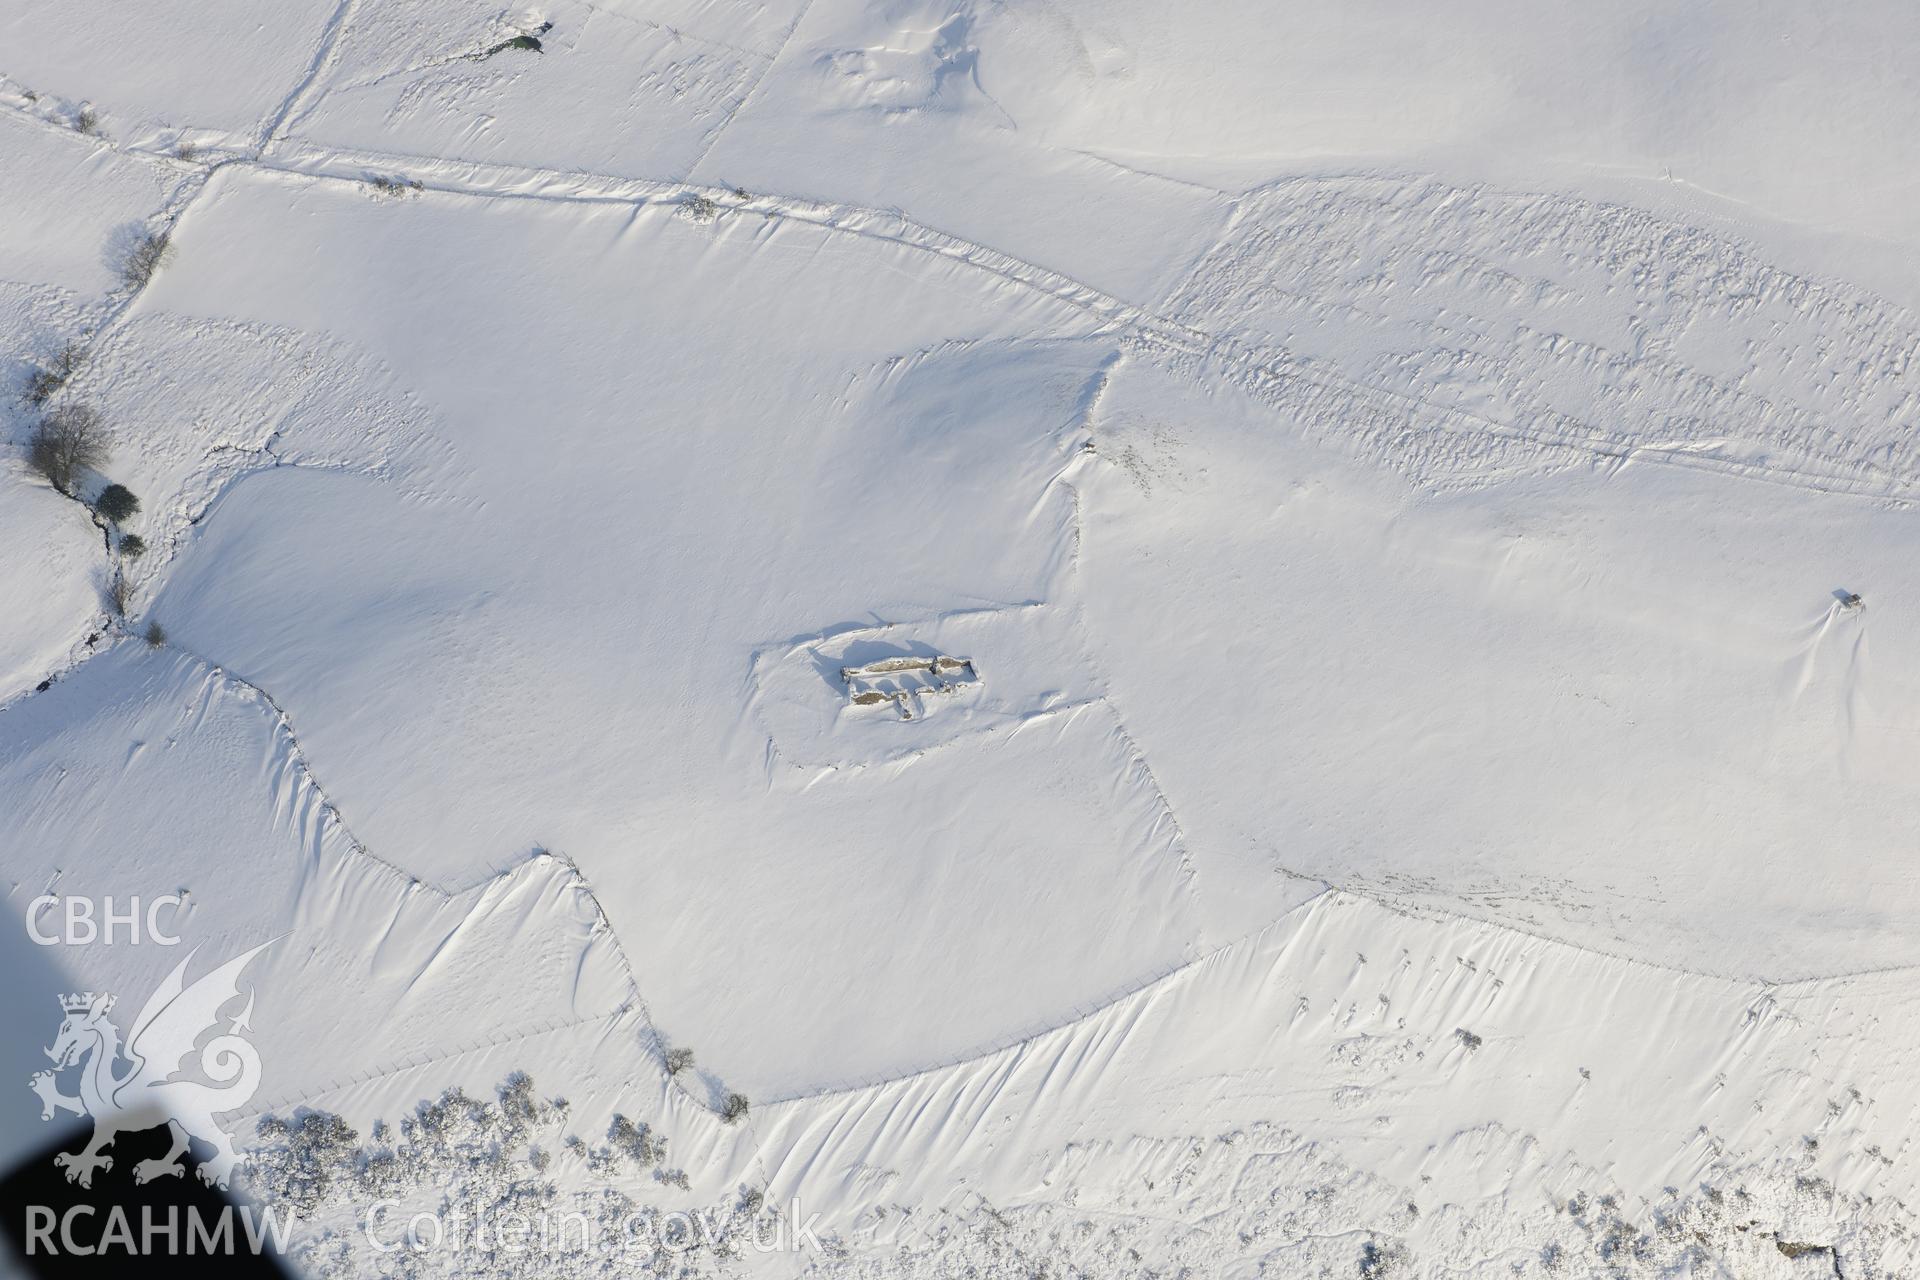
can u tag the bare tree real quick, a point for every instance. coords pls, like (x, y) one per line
(68, 441)
(149, 253)
(119, 594)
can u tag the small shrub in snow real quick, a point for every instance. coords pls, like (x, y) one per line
(699, 208)
(132, 546)
(116, 503)
(1380, 1261)
(119, 595)
(50, 377)
(299, 1160)
(86, 120)
(526, 41)
(735, 1108)
(184, 150)
(149, 253)
(637, 1142)
(156, 634)
(1467, 1038)
(679, 1059)
(530, 44)
(518, 1107)
(392, 185)
(67, 442)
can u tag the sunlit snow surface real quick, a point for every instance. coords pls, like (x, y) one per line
(1412, 796)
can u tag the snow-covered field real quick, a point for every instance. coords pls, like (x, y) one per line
(1234, 639)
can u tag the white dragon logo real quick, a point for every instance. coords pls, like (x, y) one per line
(163, 1037)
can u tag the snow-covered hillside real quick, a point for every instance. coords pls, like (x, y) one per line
(1219, 640)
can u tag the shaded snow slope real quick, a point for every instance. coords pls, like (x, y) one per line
(49, 573)
(167, 66)
(1621, 704)
(148, 774)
